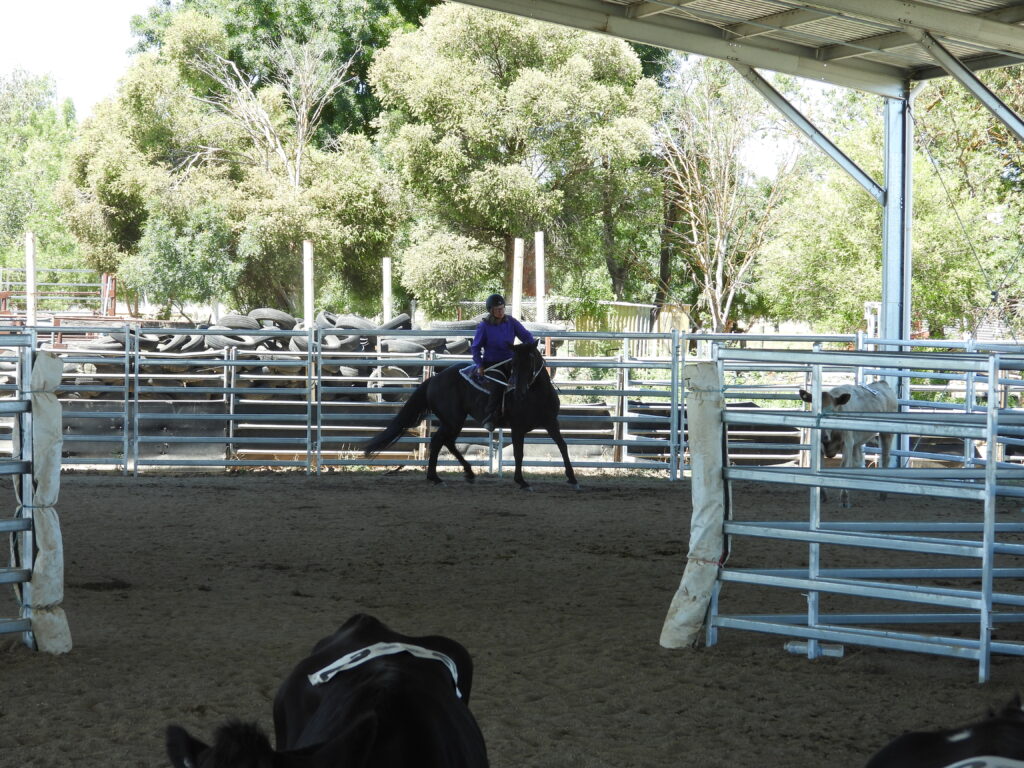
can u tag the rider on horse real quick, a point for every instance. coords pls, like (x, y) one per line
(492, 346)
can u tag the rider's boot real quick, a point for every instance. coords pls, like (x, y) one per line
(493, 410)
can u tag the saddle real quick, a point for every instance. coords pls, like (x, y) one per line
(497, 375)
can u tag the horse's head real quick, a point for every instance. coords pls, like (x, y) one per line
(526, 362)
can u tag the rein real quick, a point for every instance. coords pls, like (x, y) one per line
(533, 375)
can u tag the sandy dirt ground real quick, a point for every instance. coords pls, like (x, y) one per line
(191, 597)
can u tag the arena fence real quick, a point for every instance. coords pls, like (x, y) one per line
(897, 606)
(36, 569)
(132, 404)
(311, 403)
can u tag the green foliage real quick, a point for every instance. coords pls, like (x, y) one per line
(185, 255)
(441, 267)
(250, 30)
(198, 187)
(826, 261)
(35, 135)
(503, 127)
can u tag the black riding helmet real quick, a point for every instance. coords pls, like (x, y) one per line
(495, 300)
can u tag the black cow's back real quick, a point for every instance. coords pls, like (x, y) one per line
(389, 712)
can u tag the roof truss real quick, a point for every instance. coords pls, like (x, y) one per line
(869, 45)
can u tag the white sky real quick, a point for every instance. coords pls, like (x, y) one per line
(82, 44)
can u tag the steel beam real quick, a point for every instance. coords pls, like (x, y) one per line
(820, 140)
(680, 34)
(890, 40)
(909, 15)
(969, 80)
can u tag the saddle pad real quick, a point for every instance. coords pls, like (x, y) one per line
(468, 372)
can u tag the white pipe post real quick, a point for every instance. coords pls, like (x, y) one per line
(538, 248)
(307, 282)
(517, 279)
(30, 279)
(387, 302)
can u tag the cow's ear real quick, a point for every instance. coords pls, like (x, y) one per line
(843, 399)
(805, 396)
(184, 750)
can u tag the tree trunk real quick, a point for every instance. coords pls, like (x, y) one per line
(510, 265)
(665, 253)
(615, 268)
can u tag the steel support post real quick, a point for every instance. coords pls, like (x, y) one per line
(896, 217)
(896, 222)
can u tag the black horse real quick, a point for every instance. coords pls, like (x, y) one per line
(532, 403)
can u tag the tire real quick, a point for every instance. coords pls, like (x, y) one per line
(174, 342)
(325, 319)
(193, 343)
(275, 318)
(383, 395)
(341, 343)
(354, 321)
(453, 325)
(429, 342)
(458, 346)
(239, 322)
(402, 346)
(222, 341)
(398, 322)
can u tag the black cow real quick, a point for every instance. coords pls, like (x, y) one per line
(366, 697)
(1000, 735)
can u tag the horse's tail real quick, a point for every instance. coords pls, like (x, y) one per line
(410, 415)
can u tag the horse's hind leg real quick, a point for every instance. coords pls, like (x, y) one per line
(450, 437)
(556, 434)
(436, 441)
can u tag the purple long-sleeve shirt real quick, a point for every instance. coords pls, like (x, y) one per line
(493, 343)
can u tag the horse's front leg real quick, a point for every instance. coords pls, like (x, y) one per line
(518, 439)
(555, 433)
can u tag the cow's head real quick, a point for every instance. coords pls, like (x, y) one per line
(831, 439)
(236, 745)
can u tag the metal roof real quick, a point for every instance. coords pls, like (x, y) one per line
(870, 45)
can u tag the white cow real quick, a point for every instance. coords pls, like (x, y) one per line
(876, 397)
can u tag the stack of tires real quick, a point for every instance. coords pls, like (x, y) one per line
(277, 358)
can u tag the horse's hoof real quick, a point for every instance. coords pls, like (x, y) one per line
(437, 482)
(525, 487)
(576, 486)
(470, 478)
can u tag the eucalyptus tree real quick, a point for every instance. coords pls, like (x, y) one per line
(501, 126)
(718, 214)
(253, 30)
(200, 181)
(35, 135)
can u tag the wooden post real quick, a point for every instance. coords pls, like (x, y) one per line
(517, 279)
(386, 302)
(30, 279)
(538, 246)
(307, 282)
